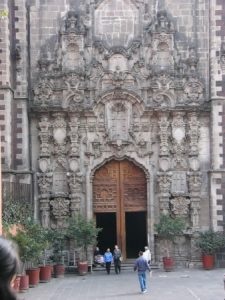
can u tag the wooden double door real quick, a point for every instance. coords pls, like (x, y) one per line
(120, 206)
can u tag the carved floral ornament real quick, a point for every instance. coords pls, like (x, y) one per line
(43, 92)
(60, 207)
(193, 88)
(180, 205)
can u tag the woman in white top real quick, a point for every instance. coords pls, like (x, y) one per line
(147, 255)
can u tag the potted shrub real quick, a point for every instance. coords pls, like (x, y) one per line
(210, 242)
(46, 266)
(168, 228)
(84, 233)
(30, 239)
(57, 240)
(23, 242)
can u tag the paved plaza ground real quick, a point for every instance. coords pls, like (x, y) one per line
(182, 284)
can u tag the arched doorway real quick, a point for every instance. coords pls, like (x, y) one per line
(120, 206)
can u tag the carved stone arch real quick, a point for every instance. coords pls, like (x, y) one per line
(99, 163)
(122, 94)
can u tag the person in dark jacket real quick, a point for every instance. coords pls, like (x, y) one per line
(117, 259)
(141, 265)
(8, 267)
(108, 260)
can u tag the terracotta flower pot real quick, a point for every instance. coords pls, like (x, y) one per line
(168, 264)
(208, 262)
(83, 267)
(59, 270)
(24, 283)
(45, 273)
(16, 283)
(33, 276)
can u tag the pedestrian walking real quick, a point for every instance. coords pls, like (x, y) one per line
(108, 257)
(141, 265)
(117, 257)
(147, 255)
(8, 267)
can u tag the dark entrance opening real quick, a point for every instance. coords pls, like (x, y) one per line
(107, 237)
(136, 233)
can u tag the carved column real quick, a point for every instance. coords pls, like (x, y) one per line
(74, 135)
(164, 178)
(75, 180)
(179, 135)
(195, 181)
(164, 134)
(193, 133)
(45, 182)
(194, 177)
(164, 181)
(60, 204)
(75, 177)
(44, 178)
(44, 136)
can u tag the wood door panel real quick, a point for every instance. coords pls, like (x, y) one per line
(105, 188)
(120, 187)
(134, 188)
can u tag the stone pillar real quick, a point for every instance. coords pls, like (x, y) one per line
(164, 181)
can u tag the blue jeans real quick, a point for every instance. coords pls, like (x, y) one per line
(142, 280)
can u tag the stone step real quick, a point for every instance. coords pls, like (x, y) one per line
(126, 266)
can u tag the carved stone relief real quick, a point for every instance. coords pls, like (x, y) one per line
(178, 142)
(164, 134)
(180, 205)
(194, 126)
(44, 135)
(97, 99)
(60, 211)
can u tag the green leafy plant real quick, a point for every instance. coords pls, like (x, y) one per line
(56, 240)
(210, 241)
(83, 232)
(15, 212)
(31, 240)
(168, 228)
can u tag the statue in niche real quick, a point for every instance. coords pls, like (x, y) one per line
(195, 208)
(140, 72)
(71, 21)
(76, 181)
(45, 218)
(162, 24)
(74, 22)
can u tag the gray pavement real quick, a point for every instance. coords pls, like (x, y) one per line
(182, 284)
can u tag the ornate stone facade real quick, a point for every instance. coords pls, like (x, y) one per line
(122, 80)
(138, 100)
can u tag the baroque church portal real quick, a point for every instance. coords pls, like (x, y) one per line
(114, 109)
